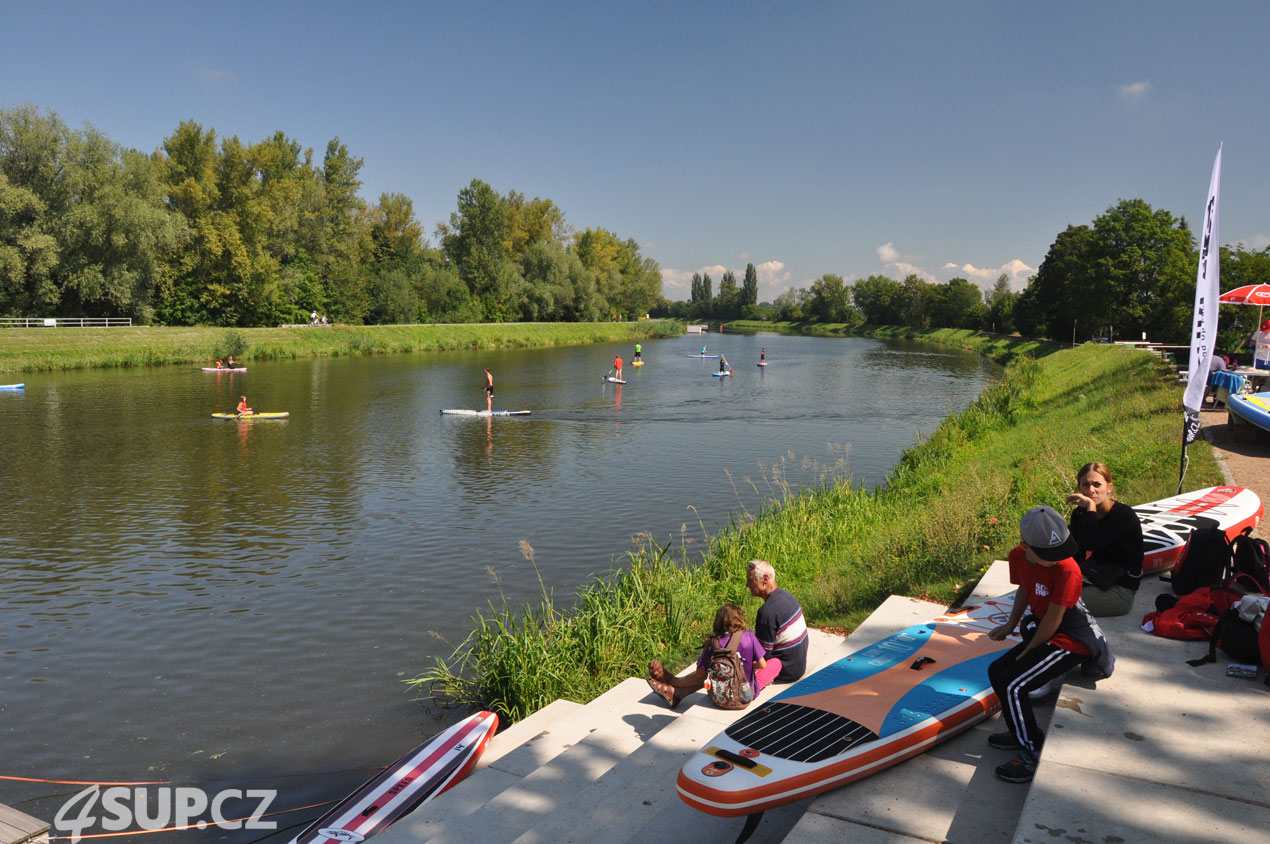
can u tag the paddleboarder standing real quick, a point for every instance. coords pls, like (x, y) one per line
(489, 391)
(617, 366)
(639, 356)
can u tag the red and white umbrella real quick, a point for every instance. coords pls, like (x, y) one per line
(1249, 294)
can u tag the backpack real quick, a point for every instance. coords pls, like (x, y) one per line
(1252, 557)
(1236, 638)
(1204, 561)
(729, 686)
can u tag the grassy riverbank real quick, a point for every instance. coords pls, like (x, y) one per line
(47, 349)
(950, 507)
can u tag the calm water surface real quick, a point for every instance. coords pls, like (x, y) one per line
(190, 599)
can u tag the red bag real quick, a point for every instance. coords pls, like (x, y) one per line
(1190, 618)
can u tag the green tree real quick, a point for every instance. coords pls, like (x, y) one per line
(957, 304)
(829, 300)
(879, 299)
(1000, 301)
(915, 302)
(727, 305)
(749, 289)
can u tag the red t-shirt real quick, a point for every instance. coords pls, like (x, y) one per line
(1043, 585)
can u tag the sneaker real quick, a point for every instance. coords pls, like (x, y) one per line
(1019, 769)
(1004, 741)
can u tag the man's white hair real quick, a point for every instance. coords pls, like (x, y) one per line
(762, 569)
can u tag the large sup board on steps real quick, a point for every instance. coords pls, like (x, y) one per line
(419, 776)
(486, 412)
(865, 712)
(1167, 523)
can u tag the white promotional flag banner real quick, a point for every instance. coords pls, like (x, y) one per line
(1204, 321)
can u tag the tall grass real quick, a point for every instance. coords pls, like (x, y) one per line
(47, 349)
(950, 506)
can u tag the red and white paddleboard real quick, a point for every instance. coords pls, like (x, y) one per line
(1167, 523)
(415, 778)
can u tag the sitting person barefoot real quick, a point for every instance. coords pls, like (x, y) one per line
(728, 620)
(1109, 535)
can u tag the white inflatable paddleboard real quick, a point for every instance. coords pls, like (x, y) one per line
(703, 356)
(12, 386)
(415, 778)
(225, 369)
(613, 380)
(487, 412)
(723, 374)
(1167, 523)
(865, 712)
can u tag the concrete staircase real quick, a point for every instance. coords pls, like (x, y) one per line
(604, 773)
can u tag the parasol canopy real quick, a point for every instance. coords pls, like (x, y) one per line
(1249, 294)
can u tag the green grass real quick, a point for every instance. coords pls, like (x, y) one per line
(47, 349)
(949, 508)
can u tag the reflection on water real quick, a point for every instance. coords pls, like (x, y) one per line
(189, 598)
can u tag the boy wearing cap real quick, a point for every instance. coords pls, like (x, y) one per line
(1261, 346)
(1059, 635)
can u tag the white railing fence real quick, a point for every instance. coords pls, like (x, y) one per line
(65, 322)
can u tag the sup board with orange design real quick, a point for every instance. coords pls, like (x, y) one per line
(865, 712)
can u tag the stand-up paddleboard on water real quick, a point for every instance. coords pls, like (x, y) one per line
(882, 704)
(722, 374)
(762, 363)
(251, 417)
(637, 363)
(12, 386)
(1167, 523)
(450, 412)
(703, 356)
(224, 369)
(420, 775)
(613, 380)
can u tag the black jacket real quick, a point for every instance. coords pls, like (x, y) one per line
(1110, 547)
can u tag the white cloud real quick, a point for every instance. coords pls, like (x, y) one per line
(906, 269)
(986, 277)
(1133, 91)
(887, 253)
(676, 284)
(1257, 242)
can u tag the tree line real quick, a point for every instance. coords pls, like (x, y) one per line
(1128, 272)
(212, 230)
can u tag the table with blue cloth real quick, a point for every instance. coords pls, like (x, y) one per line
(1224, 383)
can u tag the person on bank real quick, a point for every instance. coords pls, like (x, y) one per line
(489, 391)
(778, 627)
(728, 621)
(1109, 536)
(779, 623)
(1058, 635)
(243, 409)
(1261, 346)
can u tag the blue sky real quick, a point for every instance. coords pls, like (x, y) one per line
(851, 138)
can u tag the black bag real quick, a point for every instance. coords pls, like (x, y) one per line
(1238, 639)
(1252, 557)
(1205, 560)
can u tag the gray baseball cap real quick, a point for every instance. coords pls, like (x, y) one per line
(1045, 532)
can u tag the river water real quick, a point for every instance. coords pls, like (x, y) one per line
(194, 600)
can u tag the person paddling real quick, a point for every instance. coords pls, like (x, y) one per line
(617, 366)
(723, 363)
(489, 391)
(762, 355)
(243, 409)
(639, 353)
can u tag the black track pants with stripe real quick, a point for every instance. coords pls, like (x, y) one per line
(1013, 677)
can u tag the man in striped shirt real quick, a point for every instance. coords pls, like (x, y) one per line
(779, 624)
